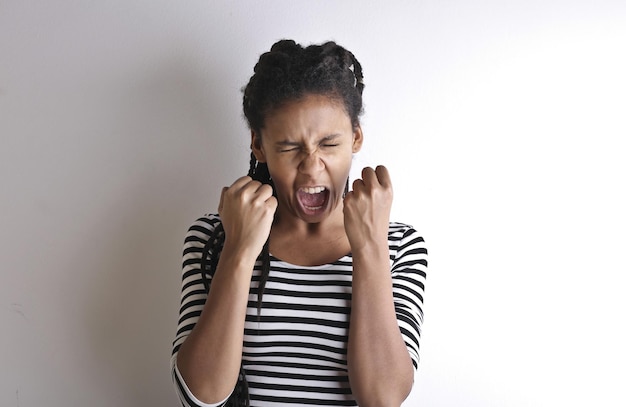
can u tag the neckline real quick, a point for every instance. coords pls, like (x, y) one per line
(314, 267)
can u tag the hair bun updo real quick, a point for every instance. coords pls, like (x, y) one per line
(289, 72)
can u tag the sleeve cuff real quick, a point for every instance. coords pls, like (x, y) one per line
(186, 397)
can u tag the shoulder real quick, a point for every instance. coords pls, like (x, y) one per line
(202, 228)
(401, 231)
(405, 240)
(196, 239)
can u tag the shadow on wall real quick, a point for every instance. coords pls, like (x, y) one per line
(162, 155)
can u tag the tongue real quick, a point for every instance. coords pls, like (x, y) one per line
(312, 200)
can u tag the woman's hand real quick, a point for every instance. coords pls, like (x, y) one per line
(247, 210)
(367, 208)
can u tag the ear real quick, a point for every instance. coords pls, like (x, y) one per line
(257, 147)
(357, 139)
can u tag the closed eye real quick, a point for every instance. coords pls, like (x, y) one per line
(286, 150)
(287, 146)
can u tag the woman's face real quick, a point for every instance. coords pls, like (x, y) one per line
(308, 146)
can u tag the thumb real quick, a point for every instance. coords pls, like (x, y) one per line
(220, 206)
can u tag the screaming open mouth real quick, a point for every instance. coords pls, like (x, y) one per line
(312, 198)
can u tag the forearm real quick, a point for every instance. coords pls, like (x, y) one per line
(379, 365)
(210, 358)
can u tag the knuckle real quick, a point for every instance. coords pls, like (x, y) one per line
(266, 188)
(253, 185)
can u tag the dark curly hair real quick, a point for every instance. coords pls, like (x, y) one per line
(288, 72)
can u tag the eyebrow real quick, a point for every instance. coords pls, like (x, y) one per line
(330, 137)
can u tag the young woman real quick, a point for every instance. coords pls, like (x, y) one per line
(301, 292)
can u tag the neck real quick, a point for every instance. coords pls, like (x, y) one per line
(296, 226)
(309, 244)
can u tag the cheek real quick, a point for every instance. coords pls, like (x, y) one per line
(280, 177)
(342, 164)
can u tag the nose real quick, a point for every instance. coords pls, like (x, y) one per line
(311, 163)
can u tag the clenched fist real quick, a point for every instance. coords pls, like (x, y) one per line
(247, 210)
(366, 209)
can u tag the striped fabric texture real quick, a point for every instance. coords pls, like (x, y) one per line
(295, 350)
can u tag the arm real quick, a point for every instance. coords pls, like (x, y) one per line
(210, 357)
(379, 365)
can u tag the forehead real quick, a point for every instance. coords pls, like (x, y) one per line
(310, 115)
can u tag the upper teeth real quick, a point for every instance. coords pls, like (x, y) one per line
(314, 190)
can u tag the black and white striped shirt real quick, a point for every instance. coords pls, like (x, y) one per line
(295, 352)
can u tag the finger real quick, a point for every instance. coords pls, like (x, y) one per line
(220, 206)
(368, 175)
(357, 186)
(383, 176)
(240, 183)
(247, 188)
(365, 175)
(366, 170)
(346, 201)
(265, 192)
(272, 202)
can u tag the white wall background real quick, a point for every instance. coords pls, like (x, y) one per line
(502, 124)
